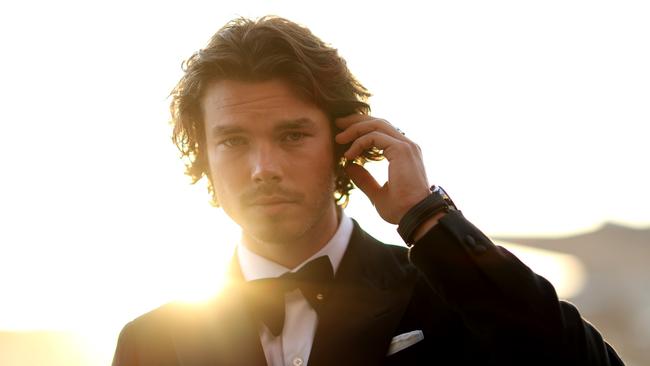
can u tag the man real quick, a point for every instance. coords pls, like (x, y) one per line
(280, 127)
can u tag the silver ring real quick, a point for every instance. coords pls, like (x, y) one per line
(400, 131)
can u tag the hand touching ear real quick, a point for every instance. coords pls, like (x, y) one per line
(407, 180)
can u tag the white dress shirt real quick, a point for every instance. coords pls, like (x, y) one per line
(293, 346)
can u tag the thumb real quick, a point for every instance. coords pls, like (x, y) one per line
(363, 179)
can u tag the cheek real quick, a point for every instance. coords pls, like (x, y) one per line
(323, 163)
(226, 177)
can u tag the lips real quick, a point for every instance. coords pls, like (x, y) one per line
(270, 201)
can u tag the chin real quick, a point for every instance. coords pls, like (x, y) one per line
(275, 233)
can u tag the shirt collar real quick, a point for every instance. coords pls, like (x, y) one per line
(254, 266)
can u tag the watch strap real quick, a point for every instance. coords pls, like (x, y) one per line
(421, 212)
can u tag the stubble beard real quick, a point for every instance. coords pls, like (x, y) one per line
(291, 231)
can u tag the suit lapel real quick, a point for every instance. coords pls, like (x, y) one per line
(367, 300)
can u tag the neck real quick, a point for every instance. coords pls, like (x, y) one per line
(292, 252)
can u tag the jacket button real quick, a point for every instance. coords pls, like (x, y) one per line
(470, 241)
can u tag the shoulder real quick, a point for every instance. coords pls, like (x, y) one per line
(177, 315)
(375, 249)
(386, 265)
(161, 318)
(156, 326)
(147, 335)
(150, 338)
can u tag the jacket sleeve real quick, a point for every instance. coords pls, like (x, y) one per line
(509, 309)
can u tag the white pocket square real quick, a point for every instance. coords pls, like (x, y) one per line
(404, 340)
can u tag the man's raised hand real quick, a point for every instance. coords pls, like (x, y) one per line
(407, 180)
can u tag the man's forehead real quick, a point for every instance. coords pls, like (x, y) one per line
(259, 105)
(233, 94)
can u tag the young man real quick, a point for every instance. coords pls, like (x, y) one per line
(277, 123)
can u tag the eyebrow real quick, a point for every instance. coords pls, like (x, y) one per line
(225, 130)
(283, 125)
(294, 124)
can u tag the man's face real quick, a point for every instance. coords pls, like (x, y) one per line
(271, 159)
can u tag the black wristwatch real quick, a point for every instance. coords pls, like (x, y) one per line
(437, 201)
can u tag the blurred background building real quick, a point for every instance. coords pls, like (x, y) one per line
(616, 292)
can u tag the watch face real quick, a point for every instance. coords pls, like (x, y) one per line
(445, 196)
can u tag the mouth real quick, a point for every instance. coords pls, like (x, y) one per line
(270, 201)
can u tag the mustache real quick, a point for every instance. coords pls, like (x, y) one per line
(270, 189)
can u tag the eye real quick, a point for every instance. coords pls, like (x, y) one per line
(233, 141)
(294, 136)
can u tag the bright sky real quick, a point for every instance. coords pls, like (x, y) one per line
(532, 115)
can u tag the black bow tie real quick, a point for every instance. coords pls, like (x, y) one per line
(266, 296)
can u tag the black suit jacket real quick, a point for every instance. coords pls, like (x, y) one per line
(475, 303)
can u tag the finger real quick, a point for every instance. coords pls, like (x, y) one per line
(364, 180)
(376, 139)
(349, 120)
(364, 127)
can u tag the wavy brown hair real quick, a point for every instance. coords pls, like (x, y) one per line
(259, 50)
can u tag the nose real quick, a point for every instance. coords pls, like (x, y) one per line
(265, 165)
